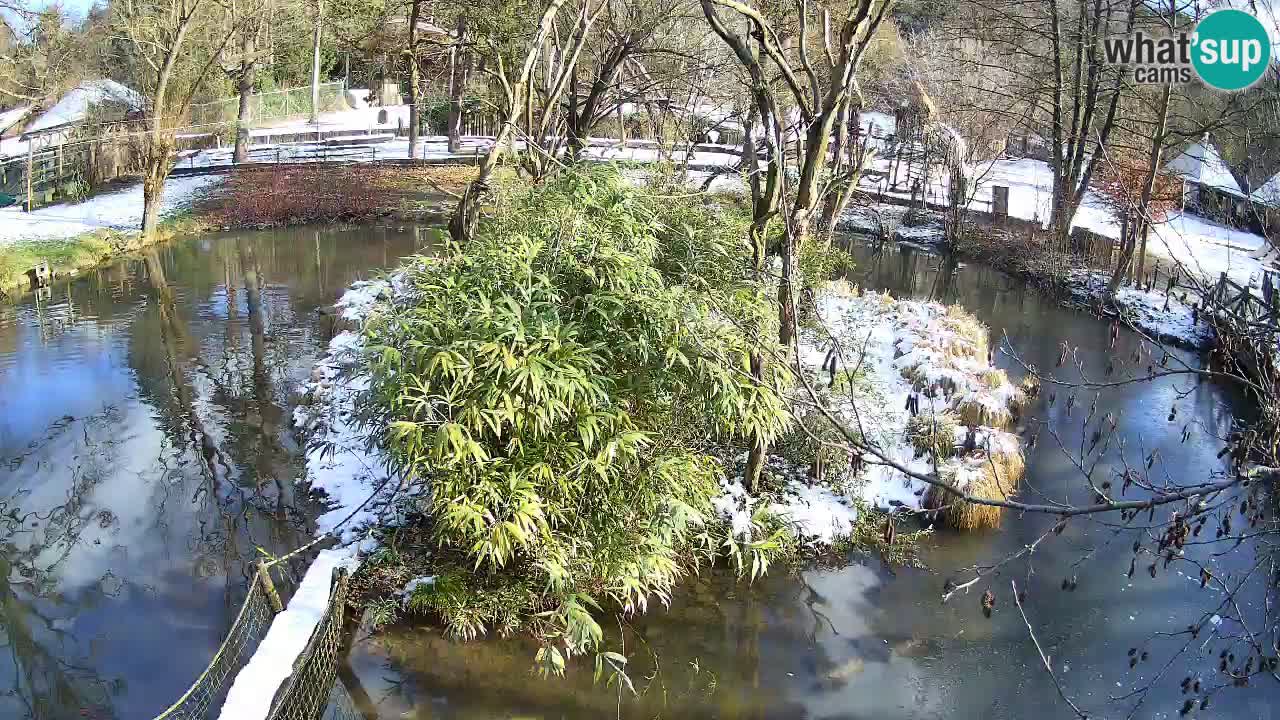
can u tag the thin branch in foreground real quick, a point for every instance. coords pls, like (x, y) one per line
(1048, 666)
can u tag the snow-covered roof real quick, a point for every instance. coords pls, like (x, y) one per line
(1269, 193)
(74, 106)
(9, 118)
(1201, 163)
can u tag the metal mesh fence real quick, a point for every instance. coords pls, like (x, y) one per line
(311, 692)
(247, 630)
(341, 706)
(274, 105)
(308, 690)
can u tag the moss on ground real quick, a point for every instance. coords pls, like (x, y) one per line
(74, 255)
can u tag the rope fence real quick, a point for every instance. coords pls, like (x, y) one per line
(247, 630)
(310, 692)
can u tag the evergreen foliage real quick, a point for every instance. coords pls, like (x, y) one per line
(557, 385)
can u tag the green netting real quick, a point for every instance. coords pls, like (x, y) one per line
(307, 692)
(247, 630)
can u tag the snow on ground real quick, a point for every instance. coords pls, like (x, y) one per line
(1200, 246)
(888, 341)
(652, 154)
(355, 481)
(365, 119)
(119, 210)
(820, 515)
(370, 149)
(1161, 316)
(1164, 318)
(340, 462)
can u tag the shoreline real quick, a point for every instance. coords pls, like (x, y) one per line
(208, 211)
(1075, 286)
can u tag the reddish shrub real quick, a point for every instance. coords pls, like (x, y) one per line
(1119, 180)
(297, 194)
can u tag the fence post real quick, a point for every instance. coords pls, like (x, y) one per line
(265, 576)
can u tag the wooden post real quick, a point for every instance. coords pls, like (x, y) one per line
(30, 198)
(1000, 200)
(270, 587)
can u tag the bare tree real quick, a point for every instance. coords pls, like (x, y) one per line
(177, 43)
(514, 90)
(1051, 51)
(818, 98)
(48, 57)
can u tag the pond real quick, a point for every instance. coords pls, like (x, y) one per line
(146, 455)
(862, 640)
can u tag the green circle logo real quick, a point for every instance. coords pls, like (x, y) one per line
(1231, 50)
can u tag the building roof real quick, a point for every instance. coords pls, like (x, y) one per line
(73, 107)
(1200, 163)
(10, 118)
(1269, 192)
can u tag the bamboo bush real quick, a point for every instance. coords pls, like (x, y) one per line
(555, 386)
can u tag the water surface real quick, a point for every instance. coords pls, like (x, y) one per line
(146, 453)
(867, 641)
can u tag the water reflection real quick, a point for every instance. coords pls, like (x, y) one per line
(145, 453)
(864, 641)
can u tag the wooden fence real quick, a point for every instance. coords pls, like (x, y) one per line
(73, 168)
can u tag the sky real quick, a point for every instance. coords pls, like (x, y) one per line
(1266, 10)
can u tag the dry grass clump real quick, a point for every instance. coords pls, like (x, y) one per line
(981, 411)
(993, 378)
(970, 328)
(934, 433)
(991, 475)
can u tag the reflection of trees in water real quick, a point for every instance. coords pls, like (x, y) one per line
(231, 496)
(723, 649)
(218, 482)
(47, 678)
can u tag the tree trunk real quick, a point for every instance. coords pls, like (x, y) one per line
(152, 187)
(756, 456)
(315, 67)
(1153, 169)
(415, 11)
(466, 214)
(1142, 247)
(1122, 262)
(248, 71)
(457, 83)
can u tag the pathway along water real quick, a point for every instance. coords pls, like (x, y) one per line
(861, 641)
(145, 452)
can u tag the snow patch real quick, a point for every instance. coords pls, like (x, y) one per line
(341, 462)
(1163, 316)
(120, 210)
(256, 684)
(895, 346)
(414, 584)
(74, 106)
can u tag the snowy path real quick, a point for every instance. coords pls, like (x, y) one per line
(119, 210)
